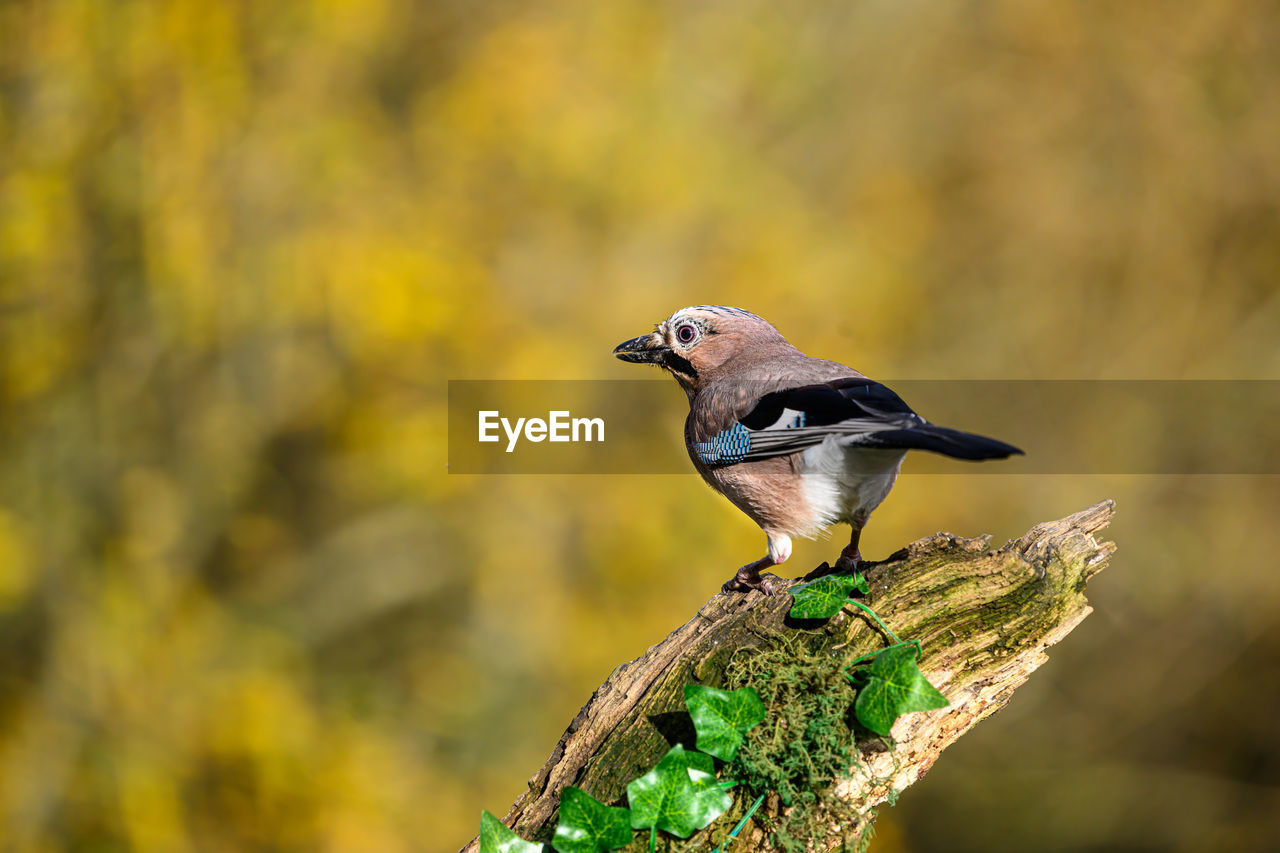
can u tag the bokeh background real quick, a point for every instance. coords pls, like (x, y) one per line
(243, 247)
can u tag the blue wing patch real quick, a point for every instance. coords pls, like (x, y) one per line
(725, 447)
(733, 444)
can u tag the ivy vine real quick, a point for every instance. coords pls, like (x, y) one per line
(681, 794)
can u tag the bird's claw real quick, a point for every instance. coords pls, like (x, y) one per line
(847, 564)
(745, 581)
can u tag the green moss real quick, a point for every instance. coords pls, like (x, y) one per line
(804, 746)
(806, 740)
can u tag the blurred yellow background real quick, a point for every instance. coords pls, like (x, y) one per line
(243, 247)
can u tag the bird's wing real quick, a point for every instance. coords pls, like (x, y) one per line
(793, 419)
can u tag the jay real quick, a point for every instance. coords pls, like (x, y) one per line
(797, 443)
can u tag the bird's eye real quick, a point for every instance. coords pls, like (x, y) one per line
(685, 334)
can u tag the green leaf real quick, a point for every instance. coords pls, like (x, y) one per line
(722, 717)
(698, 762)
(823, 598)
(895, 686)
(588, 825)
(679, 795)
(496, 838)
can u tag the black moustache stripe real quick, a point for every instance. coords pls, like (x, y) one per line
(678, 364)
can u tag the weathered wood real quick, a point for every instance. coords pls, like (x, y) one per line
(984, 618)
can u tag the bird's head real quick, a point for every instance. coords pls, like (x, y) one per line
(695, 343)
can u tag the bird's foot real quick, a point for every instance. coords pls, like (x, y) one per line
(748, 578)
(848, 563)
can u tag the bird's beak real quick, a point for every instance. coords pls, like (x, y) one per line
(646, 349)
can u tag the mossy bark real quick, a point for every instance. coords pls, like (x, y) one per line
(984, 619)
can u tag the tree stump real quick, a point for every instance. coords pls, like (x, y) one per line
(984, 619)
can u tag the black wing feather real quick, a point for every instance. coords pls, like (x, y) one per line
(861, 412)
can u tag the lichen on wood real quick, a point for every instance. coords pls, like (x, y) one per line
(984, 619)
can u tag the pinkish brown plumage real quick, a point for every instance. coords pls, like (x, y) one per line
(797, 443)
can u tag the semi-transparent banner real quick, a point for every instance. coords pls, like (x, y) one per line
(1064, 426)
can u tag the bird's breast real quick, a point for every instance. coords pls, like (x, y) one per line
(771, 492)
(844, 484)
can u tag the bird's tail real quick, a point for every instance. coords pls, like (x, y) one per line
(948, 442)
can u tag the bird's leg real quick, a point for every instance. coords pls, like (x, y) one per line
(748, 577)
(850, 557)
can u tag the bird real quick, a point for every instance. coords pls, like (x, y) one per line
(797, 443)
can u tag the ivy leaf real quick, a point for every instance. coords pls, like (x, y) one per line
(702, 770)
(710, 800)
(823, 598)
(699, 763)
(895, 686)
(679, 795)
(588, 825)
(496, 838)
(722, 717)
